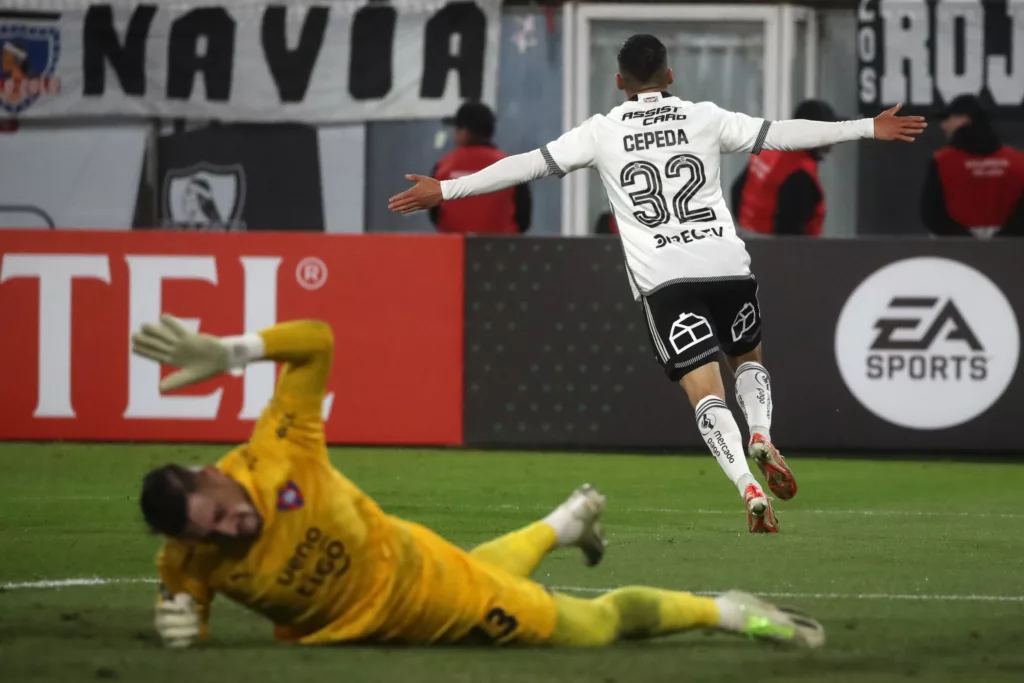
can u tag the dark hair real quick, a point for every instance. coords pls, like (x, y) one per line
(642, 59)
(164, 498)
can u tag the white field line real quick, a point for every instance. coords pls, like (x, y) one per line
(738, 510)
(99, 581)
(840, 596)
(862, 513)
(70, 583)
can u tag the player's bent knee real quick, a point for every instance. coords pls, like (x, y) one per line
(703, 382)
(584, 623)
(752, 356)
(636, 611)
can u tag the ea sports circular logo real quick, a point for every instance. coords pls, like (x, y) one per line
(927, 343)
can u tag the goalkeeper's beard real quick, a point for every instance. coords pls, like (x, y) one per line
(250, 524)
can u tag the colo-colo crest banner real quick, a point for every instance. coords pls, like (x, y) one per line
(926, 52)
(241, 60)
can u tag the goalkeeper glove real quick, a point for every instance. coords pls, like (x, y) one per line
(177, 621)
(198, 356)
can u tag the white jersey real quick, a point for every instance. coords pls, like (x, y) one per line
(660, 161)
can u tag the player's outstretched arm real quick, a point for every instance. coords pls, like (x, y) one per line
(571, 151)
(427, 193)
(300, 344)
(742, 133)
(800, 134)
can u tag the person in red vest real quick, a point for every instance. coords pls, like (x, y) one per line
(502, 213)
(778, 193)
(975, 186)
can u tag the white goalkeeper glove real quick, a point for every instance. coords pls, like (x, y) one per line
(177, 621)
(198, 356)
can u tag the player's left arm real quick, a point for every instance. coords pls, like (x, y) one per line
(742, 133)
(573, 150)
(305, 347)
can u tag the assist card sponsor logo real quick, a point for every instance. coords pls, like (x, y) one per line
(927, 343)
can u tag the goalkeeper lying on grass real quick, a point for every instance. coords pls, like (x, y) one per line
(273, 526)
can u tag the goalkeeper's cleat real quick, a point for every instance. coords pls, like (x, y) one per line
(773, 467)
(760, 516)
(764, 621)
(582, 528)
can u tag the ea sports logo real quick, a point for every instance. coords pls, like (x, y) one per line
(927, 343)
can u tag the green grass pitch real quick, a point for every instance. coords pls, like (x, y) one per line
(916, 569)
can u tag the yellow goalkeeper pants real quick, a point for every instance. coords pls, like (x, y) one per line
(625, 613)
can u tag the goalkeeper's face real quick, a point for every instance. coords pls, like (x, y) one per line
(220, 509)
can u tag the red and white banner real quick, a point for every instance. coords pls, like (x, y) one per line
(69, 301)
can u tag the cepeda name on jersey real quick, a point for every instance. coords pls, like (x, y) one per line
(687, 237)
(638, 142)
(653, 116)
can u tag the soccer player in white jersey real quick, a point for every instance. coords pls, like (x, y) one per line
(659, 159)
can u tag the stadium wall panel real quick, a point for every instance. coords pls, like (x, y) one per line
(394, 303)
(557, 353)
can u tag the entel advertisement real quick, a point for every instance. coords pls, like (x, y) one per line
(69, 301)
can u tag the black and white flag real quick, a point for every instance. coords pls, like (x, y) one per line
(314, 61)
(926, 52)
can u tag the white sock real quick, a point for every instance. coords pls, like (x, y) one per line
(754, 394)
(723, 438)
(567, 526)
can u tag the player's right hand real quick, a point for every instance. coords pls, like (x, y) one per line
(425, 194)
(198, 356)
(888, 126)
(177, 621)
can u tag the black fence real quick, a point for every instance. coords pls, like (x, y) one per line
(871, 345)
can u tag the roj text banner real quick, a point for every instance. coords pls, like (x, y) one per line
(240, 60)
(394, 302)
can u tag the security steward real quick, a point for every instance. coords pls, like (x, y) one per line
(501, 213)
(976, 184)
(778, 193)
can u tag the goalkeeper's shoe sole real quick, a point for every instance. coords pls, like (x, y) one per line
(774, 469)
(760, 516)
(764, 621)
(586, 505)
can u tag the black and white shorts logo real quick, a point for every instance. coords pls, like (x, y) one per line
(689, 330)
(745, 322)
(205, 197)
(927, 343)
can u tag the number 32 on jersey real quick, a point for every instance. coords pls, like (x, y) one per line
(654, 210)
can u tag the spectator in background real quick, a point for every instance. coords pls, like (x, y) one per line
(975, 185)
(506, 212)
(778, 193)
(606, 225)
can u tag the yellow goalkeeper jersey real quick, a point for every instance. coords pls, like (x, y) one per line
(329, 565)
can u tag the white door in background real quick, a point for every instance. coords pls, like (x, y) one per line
(732, 55)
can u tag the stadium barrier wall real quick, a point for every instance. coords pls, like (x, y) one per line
(871, 345)
(68, 301)
(509, 342)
